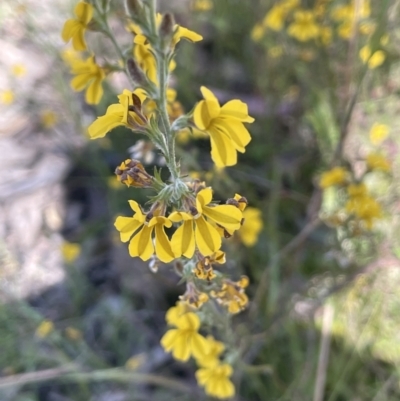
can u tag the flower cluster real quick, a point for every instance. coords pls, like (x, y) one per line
(321, 24)
(359, 208)
(184, 341)
(182, 222)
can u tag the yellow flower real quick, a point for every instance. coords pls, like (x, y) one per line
(196, 230)
(44, 329)
(232, 295)
(257, 32)
(141, 227)
(193, 297)
(367, 27)
(251, 227)
(275, 18)
(7, 96)
(336, 176)
(376, 161)
(378, 133)
(90, 75)
(180, 32)
(374, 60)
(345, 29)
(143, 54)
(275, 51)
(216, 348)
(215, 380)
(304, 26)
(132, 174)
(19, 70)
(174, 313)
(73, 334)
(70, 251)
(224, 125)
(325, 35)
(118, 114)
(185, 341)
(75, 28)
(135, 362)
(357, 190)
(204, 269)
(203, 5)
(48, 118)
(364, 208)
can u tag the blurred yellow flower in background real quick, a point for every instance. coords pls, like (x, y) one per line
(374, 60)
(135, 362)
(376, 161)
(257, 32)
(275, 51)
(88, 75)
(7, 97)
(378, 133)
(335, 176)
(70, 251)
(364, 208)
(73, 334)
(216, 380)
(48, 118)
(18, 70)
(251, 227)
(203, 5)
(75, 28)
(44, 329)
(275, 18)
(304, 27)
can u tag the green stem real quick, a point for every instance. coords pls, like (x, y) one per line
(162, 72)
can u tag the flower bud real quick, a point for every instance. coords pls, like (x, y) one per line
(167, 26)
(136, 73)
(133, 174)
(133, 8)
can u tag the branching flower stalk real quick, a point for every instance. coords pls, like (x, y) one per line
(200, 224)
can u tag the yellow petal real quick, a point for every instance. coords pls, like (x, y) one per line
(104, 124)
(181, 350)
(176, 217)
(203, 198)
(182, 241)
(204, 112)
(69, 30)
(188, 321)
(78, 40)
(199, 346)
(236, 109)
(126, 226)
(184, 33)
(79, 82)
(223, 151)
(227, 216)
(237, 132)
(140, 39)
(207, 94)
(141, 244)
(94, 92)
(207, 238)
(162, 245)
(84, 12)
(136, 208)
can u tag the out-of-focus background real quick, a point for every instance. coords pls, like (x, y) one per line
(323, 86)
